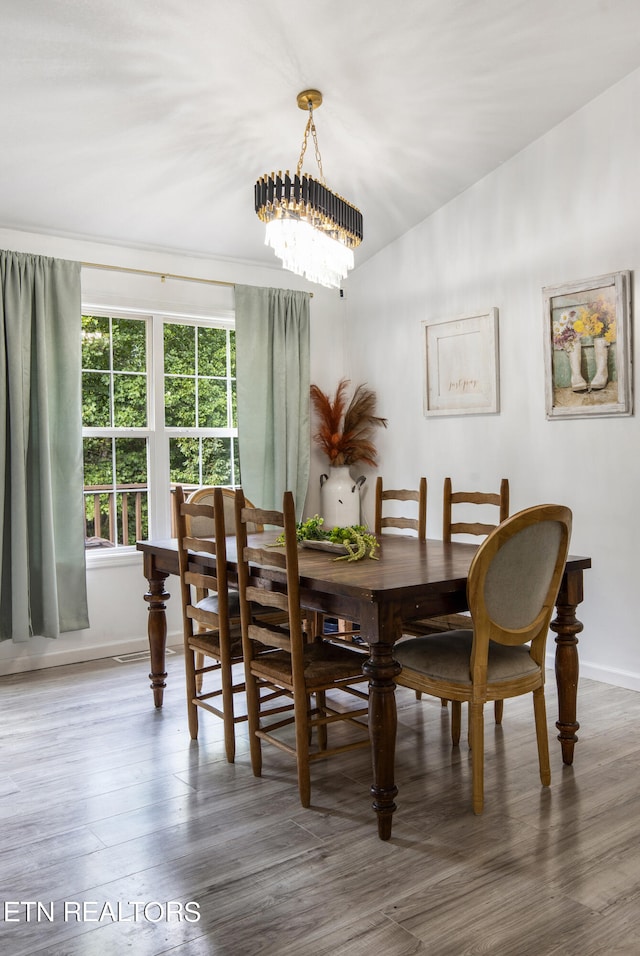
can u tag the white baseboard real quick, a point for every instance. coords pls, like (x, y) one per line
(56, 656)
(610, 675)
(606, 675)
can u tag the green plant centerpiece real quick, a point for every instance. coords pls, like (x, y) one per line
(356, 539)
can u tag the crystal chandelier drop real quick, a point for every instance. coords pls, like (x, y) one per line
(311, 229)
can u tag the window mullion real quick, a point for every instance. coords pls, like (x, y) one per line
(160, 491)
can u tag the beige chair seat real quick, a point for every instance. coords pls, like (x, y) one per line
(447, 658)
(211, 604)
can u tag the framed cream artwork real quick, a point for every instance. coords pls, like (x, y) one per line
(461, 365)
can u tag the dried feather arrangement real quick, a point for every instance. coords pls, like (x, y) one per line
(345, 431)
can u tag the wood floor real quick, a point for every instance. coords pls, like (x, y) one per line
(106, 802)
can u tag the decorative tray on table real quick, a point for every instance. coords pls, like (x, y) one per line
(350, 543)
(334, 546)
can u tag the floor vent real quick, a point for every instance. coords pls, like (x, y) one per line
(138, 656)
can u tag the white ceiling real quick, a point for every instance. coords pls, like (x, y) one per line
(147, 122)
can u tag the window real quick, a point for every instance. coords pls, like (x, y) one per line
(159, 408)
(200, 404)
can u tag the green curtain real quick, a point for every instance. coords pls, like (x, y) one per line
(43, 580)
(272, 359)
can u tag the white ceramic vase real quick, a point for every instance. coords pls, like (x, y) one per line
(340, 497)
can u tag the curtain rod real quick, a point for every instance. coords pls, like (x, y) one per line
(160, 275)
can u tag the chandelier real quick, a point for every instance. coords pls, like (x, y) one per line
(311, 229)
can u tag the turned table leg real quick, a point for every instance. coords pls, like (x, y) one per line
(567, 627)
(157, 627)
(381, 669)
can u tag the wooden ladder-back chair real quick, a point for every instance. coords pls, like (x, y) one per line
(512, 588)
(450, 528)
(203, 528)
(499, 500)
(417, 523)
(210, 611)
(303, 666)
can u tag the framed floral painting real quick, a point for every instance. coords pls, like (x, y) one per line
(588, 347)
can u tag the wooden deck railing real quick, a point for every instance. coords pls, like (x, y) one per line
(106, 527)
(132, 498)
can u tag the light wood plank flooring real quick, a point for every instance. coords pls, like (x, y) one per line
(106, 801)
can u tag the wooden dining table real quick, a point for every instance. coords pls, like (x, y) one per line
(411, 580)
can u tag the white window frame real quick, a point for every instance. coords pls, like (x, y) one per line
(156, 434)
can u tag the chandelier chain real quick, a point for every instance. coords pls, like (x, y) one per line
(311, 127)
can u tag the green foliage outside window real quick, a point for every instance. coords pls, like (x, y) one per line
(196, 377)
(114, 378)
(201, 461)
(199, 392)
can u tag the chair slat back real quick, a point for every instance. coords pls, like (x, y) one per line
(499, 500)
(196, 581)
(255, 599)
(402, 522)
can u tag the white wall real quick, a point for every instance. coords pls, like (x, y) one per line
(117, 611)
(565, 208)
